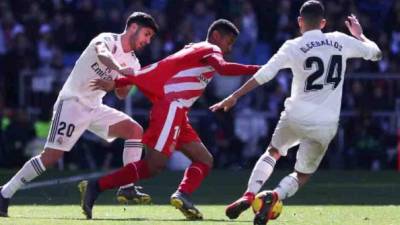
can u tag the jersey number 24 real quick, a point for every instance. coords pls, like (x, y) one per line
(333, 75)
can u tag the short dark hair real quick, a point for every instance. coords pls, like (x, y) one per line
(142, 19)
(312, 12)
(224, 27)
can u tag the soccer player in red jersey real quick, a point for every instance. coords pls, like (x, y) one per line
(173, 85)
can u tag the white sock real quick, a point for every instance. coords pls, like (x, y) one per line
(261, 172)
(287, 187)
(31, 169)
(132, 152)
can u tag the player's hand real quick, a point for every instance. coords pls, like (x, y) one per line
(354, 26)
(126, 71)
(100, 84)
(225, 104)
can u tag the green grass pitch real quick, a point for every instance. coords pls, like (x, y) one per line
(350, 197)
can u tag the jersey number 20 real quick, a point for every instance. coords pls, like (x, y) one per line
(333, 76)
(70, 129)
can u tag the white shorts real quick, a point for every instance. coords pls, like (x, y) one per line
(71, 118)
(313, 139)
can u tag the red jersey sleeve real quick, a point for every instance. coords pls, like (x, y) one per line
(227, 68)
(124, 81)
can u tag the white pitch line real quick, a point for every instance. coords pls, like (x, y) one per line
(65, 180)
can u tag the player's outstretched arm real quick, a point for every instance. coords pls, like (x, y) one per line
(355, 27)
(264, 74)
(231, 100)
(229, 69)
(356, 30)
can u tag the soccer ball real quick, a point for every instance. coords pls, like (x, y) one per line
(258, 203)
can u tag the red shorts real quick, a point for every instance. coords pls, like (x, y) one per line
(169, 127)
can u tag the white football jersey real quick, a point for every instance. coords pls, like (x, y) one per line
(318, 63)
(88, 67)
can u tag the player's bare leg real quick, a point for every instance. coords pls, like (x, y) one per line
(31, 169)
(261, 172)
(202, 162)
(132, 132)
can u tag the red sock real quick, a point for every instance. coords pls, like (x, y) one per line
(193, 177)
(130, 173)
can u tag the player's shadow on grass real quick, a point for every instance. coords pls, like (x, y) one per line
(224, 186)
(173, 220)
(137, 219)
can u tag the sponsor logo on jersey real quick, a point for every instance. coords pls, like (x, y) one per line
(103, 74)
(203, 79)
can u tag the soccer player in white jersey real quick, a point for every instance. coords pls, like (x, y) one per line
(311, 114)
(79, 108)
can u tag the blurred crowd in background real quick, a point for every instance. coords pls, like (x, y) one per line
(41, 40)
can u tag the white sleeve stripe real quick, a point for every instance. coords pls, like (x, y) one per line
(167, 126)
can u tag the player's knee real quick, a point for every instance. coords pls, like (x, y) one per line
(134, 131)
(156, 163)
(274, 152)
(127, 129)
(156, 168)
(209, 161)
(302, 178)
(206, 159)
(49, 157)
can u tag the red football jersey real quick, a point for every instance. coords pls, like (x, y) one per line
(185, 74)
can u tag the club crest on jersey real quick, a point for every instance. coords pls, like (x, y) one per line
(60, 140)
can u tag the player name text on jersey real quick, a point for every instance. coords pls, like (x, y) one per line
(313, 44)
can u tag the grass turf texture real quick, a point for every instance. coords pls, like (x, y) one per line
(350, 197)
